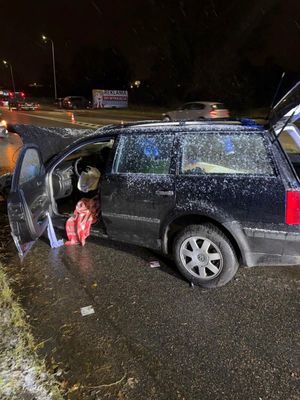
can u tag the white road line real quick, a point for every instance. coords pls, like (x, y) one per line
(64, 121)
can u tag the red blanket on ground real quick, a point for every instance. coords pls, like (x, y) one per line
(78, 226)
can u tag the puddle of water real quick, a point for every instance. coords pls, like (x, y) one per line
(9, 151)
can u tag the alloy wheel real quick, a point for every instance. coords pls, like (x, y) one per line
(201, 257)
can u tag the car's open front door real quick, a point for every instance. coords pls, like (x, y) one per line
(28, 201)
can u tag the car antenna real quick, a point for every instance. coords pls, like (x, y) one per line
(275, 94)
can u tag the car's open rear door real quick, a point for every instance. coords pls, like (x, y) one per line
(28, 201)
(287, 110)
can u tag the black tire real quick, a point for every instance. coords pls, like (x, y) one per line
(227, 266)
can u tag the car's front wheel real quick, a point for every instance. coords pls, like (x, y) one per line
(205, 256)
(166, 118)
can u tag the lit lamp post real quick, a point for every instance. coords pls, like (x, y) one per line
(46, 39)
(11, 73)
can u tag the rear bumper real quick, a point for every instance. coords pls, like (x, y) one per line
(272, 247)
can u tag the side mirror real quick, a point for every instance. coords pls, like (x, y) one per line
(3, 132)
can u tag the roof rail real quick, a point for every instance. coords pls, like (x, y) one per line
(213, 121)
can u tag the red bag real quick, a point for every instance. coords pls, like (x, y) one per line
(78, 226)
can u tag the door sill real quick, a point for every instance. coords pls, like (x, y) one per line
(97, 230)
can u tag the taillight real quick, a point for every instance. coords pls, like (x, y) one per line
(292, 207)
(213, 114)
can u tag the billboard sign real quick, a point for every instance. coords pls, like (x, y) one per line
(110, 98)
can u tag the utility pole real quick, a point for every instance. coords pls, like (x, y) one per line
(11, 74)
(46, 39)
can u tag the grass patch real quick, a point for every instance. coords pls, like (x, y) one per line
(23, 374)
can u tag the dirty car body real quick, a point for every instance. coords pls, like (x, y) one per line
(212, 195)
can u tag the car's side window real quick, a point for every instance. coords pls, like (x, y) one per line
(225, 153)
(197, 106)
(144, 154)
(31, 166)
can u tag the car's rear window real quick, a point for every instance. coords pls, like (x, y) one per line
(218, 106)
(225, 153)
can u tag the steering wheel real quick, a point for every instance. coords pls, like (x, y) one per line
(76, 167)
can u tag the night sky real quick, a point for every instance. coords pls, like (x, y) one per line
(256, 30)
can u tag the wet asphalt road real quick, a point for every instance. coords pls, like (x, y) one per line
(78, 118)
(152, 336)
(163, 339)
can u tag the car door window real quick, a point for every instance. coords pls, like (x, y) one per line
(225, 153)
(31, 166)
(144, 154)
(197, 106)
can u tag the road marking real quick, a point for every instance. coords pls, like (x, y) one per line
(104, 121)
(85, 124)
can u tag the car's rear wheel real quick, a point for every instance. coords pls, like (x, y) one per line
(205, 256)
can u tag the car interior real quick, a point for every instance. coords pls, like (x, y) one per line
(78, 176)
(292, 150)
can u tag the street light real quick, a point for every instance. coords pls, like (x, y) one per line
(11, 73)
(46, 39)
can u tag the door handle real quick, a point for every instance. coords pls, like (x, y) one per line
(164, 193)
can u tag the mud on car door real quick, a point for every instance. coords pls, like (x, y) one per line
(28, 201)
(139, 193)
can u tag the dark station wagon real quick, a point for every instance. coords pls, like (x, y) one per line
(213, 195)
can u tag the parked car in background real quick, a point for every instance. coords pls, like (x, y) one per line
(59, 102)
(23, 105)
(4, 98)
(76, 102)
(197, 110)
(198, 191)
(7, 96)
